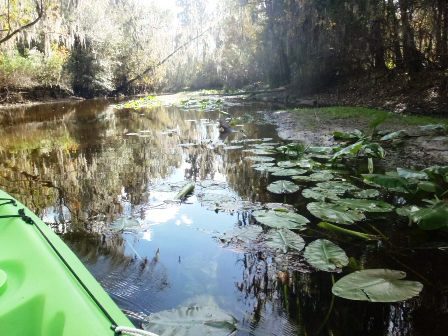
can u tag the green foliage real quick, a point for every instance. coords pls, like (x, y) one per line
(325, 255)
(376, 285)
(280, 219)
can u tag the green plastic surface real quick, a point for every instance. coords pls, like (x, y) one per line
(3, 278)
(39, 295)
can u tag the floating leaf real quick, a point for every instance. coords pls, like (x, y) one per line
(284, 240)
(281, 219)
(325, 255)
(191, 321)
(406, 211)
(283, 187)
(257, 151)
(432, 218)
(334, 213)
(315, 177)
(390, 182)
(288, 172)
(367, 193)
(365, 205)
(320, 194)
(338, 187)
(432, 129)
(376, 285)
(260, 158)
(245, 234)
(263, 166)
(287, 164)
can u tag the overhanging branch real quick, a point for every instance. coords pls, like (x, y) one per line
(155, 66)
(40, 13)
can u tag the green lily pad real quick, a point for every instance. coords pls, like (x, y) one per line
(376, 285)
(283, 187)
(432, 218)
(287, 164)
(365, 205)
(338, 187)
(258, 151)
(260, 158)
(390, 182)
(288, 172)
(320, 194)
(315, 177)
(192, 320)
(407, 211)
(281, 219)
(367, 193)
(263, 166)
(284, 240)
(325, 255)
(245, 234)
(334, 213)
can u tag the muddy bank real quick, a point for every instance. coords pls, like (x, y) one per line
(315, 126)
(15, 97)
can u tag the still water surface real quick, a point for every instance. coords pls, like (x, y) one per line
(104, 179)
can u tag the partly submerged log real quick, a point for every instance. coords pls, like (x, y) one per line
(185, 191)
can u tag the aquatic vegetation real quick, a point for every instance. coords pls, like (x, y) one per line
(376, 285)
(325, 255)
(143, 102)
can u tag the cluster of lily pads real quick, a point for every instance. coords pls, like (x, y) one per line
(321, 175)
(143, 102)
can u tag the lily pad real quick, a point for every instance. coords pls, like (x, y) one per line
(406, 211)
(432, 218)
(287, 164)
(257, 151)
(283, 187)
(284, 240)
(365, 205)
(367, 193)
(192, 320)
(334, 213)
(281, 219)
(377, 285)
(260, 158)
(315, 177)
(288, 172)
(338, 187)
(263, 166)
(320, 194)
(245, 234)
(325, 255)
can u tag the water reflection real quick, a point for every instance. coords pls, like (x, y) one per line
(81, 166)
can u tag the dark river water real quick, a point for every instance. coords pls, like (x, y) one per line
(105, 179)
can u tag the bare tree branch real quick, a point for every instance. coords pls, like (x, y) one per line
(152, 67)
(40, 13)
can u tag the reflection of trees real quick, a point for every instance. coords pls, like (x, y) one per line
(273, 296)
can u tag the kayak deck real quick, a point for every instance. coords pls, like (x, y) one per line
(45, 290)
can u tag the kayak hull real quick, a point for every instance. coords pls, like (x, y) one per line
(45, 290)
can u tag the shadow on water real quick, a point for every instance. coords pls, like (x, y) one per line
(84, 166)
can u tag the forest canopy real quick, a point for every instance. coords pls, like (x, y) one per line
(109, 46)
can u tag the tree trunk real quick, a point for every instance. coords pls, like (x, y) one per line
(412, 57)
